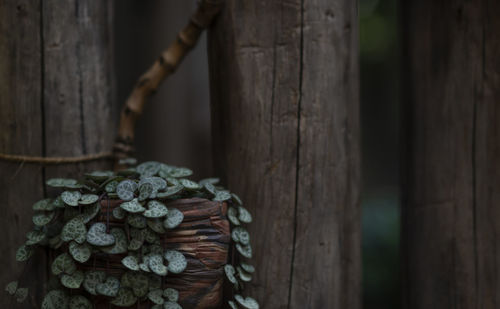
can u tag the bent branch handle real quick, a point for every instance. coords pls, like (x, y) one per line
(166, 64)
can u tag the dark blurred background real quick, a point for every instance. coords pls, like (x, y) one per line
(380, 143)
(178, 116)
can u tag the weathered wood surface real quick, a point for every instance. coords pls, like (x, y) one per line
(286, 137)
(203, 237)
(451, 207)
(55, 100)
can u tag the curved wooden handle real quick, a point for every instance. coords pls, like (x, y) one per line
(166, 64)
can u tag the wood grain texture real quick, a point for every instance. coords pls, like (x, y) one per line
(204, 239)
(55, 100)
(284, 95)
(451, 208)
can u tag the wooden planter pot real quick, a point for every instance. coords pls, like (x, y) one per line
(203, 237)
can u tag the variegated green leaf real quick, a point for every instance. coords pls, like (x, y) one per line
(173, 219)
(63, 263)
(97, 235)
(176, 261)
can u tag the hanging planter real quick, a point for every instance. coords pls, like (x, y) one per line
(142, 236)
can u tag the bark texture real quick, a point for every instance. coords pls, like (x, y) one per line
(55, 100)
(284, 95)
(451, 208)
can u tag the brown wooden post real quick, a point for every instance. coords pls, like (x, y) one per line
(285, 117)
(56, 99)
(451, 207)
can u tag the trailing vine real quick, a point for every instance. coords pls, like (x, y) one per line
(108, 215)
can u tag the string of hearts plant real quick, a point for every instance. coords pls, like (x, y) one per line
(67, 224)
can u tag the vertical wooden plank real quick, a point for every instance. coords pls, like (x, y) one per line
(453, 171)
(326, 268)
(55, 100)
(20, 133)
(78, 81)
(285, 129)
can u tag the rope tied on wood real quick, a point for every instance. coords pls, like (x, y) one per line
(106, 155)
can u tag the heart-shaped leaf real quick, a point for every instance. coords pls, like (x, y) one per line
(156, 265)
(72, 281)
(11, 287)
(63, 263)
(248, 303)
(144, 266)
(190, 185)
(239, 234)
(43, 218)
(156, 296)
(247, 267)
(92, 279)
(156, 225)
(149, 168)
(119, 213)
(244, 215)
(230, 272)
(244, 276)
(21, 294)
(35, 237)
(210, 188)
(179, 172)
(155, 210)
(121, 242)
(170, 191)
(131, 263)
(221, 196)
(110, 187)
(99, 176)
(212, 181)
(61, 182)
(24, 253)
(97, 235)
(157, 182)
(126, 189)
(71, 198)
(55, 299)
(109, 287)
(145, 191)
(171, 305)
(136, 220)
(74, 230)
(176, 261)
(232, 215)
(132, 206)
(171, 294)
(124, 298)
(244, 250)
(174, 218)
(87, 199)
(44, 205)
(80, 253)
(80, 302)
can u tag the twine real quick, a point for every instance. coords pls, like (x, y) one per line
(56, 160)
